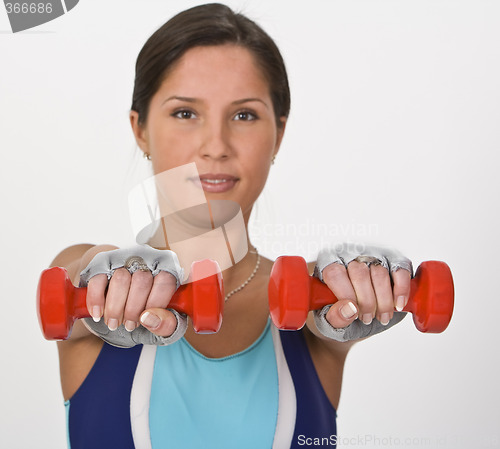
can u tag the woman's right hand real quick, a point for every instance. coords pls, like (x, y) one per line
(130, 299)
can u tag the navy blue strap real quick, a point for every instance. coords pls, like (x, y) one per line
(99, 413)
(316, 417)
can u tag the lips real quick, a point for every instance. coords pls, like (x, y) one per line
(217, 183)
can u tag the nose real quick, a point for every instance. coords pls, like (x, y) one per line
(215, 144)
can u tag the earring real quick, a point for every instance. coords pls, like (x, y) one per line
(147, 156)
(272, 160)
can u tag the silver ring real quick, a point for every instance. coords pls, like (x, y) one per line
(136, 263)
(368, 260)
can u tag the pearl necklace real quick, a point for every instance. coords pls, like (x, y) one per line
(242, 286)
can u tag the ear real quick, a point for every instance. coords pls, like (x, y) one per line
(279, 135)
(140, 132)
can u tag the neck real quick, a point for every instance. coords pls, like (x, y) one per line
(181, 230)
(238, 273)
(241, 273)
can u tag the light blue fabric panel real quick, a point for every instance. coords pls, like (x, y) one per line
(199, 402)
(66, 406)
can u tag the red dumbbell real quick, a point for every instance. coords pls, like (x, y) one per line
(293, 293)
(60, 303)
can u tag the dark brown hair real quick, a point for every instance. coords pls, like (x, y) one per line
(211, 24)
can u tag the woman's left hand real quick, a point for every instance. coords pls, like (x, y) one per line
(369, 283)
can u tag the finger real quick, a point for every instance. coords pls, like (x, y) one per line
(160, 321)
(164, 287)
(116, 298)
(342, 313)
(359, 274)
(401, 289)
(381, 282)
(336, 278)
(95, 295)
(138, 293)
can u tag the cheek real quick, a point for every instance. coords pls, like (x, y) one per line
(262, 143)
(162, 139)
(171, 149)
(258, 155)
(258, 168)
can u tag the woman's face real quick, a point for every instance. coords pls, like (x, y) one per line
(214, 108)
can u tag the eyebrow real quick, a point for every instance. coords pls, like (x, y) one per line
(247, 100)
(194, 100)
(176, 97)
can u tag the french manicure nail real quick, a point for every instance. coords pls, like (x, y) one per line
(400, 303)
(130, 325)
(112, 324)
(348, 310)
(384, 318)
(96, 313)
(367, 318)
(150, 320)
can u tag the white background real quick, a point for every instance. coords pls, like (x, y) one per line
(393, 138)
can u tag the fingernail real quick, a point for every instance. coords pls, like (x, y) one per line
(112, 324)
(400, 303)
(130, 325)
(367, 318)
(348, 310)
(96, 314)
(384, 318)
(150, 320)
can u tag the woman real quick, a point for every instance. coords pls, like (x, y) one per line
(211, 88)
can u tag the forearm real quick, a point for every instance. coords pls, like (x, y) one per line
(336, 347)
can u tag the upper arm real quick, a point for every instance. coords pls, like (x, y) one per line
(76, 257)
(70, 253)
(70, 257)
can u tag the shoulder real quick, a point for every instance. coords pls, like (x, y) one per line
(310, 266)
(76, 257)
(68, 255)
(74, 252)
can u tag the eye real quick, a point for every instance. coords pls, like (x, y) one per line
(184, 114)
(246, 116)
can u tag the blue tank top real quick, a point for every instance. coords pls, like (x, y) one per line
(156, 397)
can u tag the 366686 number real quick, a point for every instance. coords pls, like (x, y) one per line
(28, 8)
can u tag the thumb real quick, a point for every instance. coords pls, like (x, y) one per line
(342, 313)
(159, 321)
